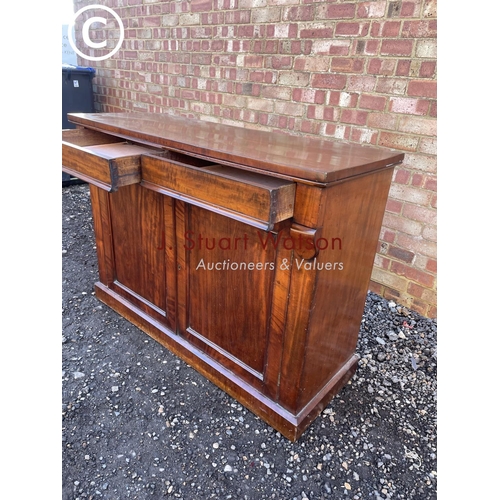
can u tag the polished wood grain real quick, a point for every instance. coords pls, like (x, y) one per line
(215, 282)
(100, 159)
(246, 254)
(137, 217)
(339, 295)
(216, 187)
(309, 158)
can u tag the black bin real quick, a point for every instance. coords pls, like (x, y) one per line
(77, 97)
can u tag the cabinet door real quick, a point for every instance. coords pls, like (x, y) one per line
(232, 291)
(134, 236)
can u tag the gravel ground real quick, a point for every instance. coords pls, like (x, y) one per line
(139, 423)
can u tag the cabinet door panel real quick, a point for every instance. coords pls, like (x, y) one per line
(140, 219)
(227, 280)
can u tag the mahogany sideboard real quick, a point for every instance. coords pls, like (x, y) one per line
(246, 253)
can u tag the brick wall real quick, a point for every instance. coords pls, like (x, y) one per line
(357, 71)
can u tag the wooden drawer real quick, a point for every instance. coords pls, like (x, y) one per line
(253, 198)
(100, 159)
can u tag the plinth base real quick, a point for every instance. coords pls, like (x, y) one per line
(289, 425)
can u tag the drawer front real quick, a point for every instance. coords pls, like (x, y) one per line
(100, 159)
(253, 198)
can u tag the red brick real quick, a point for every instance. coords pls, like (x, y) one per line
(309, 127)
(351, 29)
(201, 5)
(430, 183)
(397, 47)
(409, 9)
(371, 47)
(376, 287)
(427, 69)
(347, 64)
(386, 29)
(431, 265)
(387, 235)
(422, 88)
(201, 59)
(190, 95)
(353, 116)
(381, 66)
(372, 102)
(246, 31)
(381, 262)
(401, 254)
(401, 176)
(403, 68)
(433, 109)
(253, 61)
(416, 290)
(394, 206)
(262, 77)
(382, 120)
(434, 202)
(309, 95)
(421, 277)
(316, 33)
(329, 81)
(338, 11)
(417, 180)
(391, 294)
(279, 62)
(420, 307)
(390, 29)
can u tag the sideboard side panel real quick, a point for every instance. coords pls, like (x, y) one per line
(353, 217)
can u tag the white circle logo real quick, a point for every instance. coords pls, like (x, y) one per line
(85, 32)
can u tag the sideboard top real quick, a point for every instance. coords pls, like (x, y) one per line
(311, 159)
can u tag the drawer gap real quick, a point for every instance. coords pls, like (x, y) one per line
(192, 161)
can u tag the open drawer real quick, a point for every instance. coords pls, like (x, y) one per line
(253, 198)
(106, 161)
